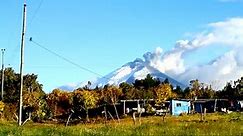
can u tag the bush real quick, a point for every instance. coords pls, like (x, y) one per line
(10, 111)
(2, 105)
(149, 109)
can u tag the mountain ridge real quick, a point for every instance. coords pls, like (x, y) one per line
(137, 69)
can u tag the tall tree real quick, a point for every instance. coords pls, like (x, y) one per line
(148, 82)
(128, 91)
(163, 92)
(179, 92)
(34, 104)
(85, 99)
(111, 95)
(208, 93)
(60, 102)
(31, 84)
(195, 89)
(11, 86)
(31, 88)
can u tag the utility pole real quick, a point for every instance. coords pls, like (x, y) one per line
(2, 83)
(22, 64)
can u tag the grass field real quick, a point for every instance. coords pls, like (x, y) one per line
(215, 124)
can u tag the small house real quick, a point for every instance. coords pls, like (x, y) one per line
(211, 105)
(178, 107)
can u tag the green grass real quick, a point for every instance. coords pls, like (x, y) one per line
(215, 124)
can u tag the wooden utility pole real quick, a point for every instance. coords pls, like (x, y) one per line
(22, 64)
(2, 83)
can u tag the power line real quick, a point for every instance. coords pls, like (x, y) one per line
(13, 49)
(36, 11)
(14, 54)
(65, 59)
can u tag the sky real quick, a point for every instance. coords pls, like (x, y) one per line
(102, 35)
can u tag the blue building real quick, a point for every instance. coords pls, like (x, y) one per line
(178, 107)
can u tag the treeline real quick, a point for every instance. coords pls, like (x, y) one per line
(59, 104)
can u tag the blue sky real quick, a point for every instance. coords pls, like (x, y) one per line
(102, 35)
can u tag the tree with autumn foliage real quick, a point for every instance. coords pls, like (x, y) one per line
(111, 95)
(85, 99)
(199, 90)
(33, 94)
(163, 92)
(34, 105)
(2, 105)
(59, 102)
(195, 90)
(129, 91)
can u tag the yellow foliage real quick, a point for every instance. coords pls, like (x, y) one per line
(2, 105)
(89, 99)
(111, 94)
(59, 101)
(163, 92)
(31, 99)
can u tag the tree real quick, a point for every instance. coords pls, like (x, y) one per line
(84, 99)
(145, 86)
(128, 91)
(2, 105)
(232, 91)
(166, 81)
(162, 93)
(87, 87)
(148, 82)
(11, 86)
(111, 95)
(60, 102)
(239, 88)
(208, 93)
(35, 105)
(195, 90)
(32, 85)
(179, 92)
(31, 88)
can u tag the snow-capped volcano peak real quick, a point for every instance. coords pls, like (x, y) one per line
(138, 69)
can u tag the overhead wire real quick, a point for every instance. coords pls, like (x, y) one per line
(65, 59)
(56, 54)
(36, 11)
(14, 51)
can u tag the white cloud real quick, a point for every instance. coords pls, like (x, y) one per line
(229, 66)
(223, 69)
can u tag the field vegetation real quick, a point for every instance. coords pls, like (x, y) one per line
(94, 111)
(215, 124)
